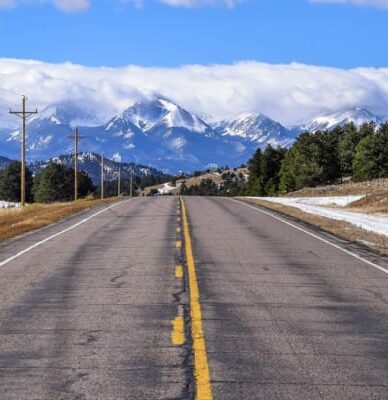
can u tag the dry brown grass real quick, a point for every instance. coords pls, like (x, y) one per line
(374, 203)
(344, 189)
(341, 229)
(16, 221)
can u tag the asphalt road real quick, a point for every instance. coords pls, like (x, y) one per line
(89, 313)
(286, 316)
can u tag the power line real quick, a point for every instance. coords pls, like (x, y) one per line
(24, 115)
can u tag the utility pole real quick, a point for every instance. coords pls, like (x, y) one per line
(102, 176)
(119, 183)
(76, 137)
(23, 115)
(131, 183)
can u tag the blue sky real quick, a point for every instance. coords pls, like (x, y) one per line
(289, 59)
(112, 33)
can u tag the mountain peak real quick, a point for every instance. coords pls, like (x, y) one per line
(256, 127)
(161, 112)
(66, 113)
(357, 115)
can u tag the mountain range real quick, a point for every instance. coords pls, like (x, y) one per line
(91, 164)
(162, 134)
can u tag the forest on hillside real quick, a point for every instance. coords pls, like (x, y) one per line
(315, 158)
(321, 158)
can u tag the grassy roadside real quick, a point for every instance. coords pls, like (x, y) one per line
(341, 229)
(15, 221)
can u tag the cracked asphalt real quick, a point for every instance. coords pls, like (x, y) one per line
(88, 314)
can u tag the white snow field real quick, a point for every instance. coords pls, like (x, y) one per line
(321, 206)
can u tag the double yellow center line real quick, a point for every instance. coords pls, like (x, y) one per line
(201, 366)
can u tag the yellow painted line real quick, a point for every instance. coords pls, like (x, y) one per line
(178, 331)
(203, 390)
(179, 272)
(178, 230)
(178, 244)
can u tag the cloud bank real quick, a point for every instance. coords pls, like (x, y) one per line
(374, 3)
(289, 93)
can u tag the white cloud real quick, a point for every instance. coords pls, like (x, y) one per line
(62, 5)
(72, 5)
(373, 3)
(7, 3)
(289, 93)
(185, 3)
(197, 3)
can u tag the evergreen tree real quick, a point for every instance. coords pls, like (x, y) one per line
(56, 183)
(371, 158)
(348, 142)
(10, 183)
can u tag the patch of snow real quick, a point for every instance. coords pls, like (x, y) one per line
(116, 157)
(318, 206)
(9, 204)
(178, 143)
(168, 188)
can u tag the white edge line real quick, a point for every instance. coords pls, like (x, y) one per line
(37, 244)
(314, 236)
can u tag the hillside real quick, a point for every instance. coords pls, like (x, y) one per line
(218, 178)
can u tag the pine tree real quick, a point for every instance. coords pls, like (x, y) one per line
(10, 183)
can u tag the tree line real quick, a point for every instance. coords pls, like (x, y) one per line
(53, 183)
(314, 159)
(320, 158)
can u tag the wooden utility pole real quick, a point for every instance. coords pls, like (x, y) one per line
(76, 137)
(131, 183)
(23, 115)
(119, 183)
(102, 176)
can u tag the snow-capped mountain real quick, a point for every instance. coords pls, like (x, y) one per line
(160, 114)
(91, 164)
(66, 114)
(156, 132)
(256, 128)
(356, 115)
